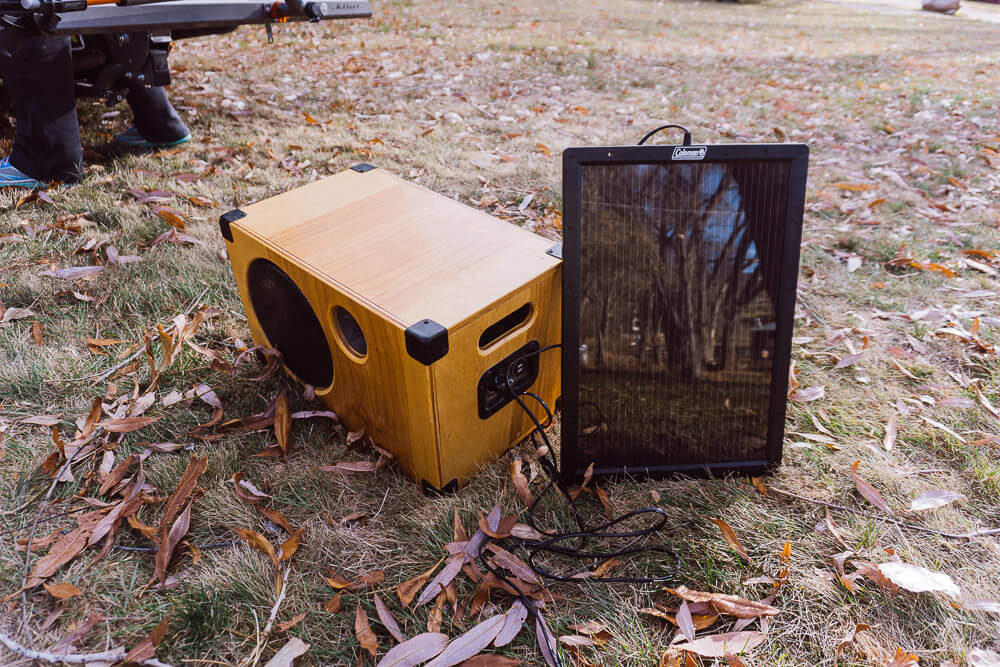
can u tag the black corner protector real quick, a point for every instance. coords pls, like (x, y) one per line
(227, 219)
(362, 168)
(446, 490)
(426, 341)
(555, 251)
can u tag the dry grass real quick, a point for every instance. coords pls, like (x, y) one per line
(476, 100)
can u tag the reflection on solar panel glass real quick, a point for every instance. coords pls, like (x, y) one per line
(680, 274)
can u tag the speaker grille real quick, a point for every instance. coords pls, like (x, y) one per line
(289, 323)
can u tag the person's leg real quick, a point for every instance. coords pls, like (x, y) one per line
(37, 71)
(154, 117)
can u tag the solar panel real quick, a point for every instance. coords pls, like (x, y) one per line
(680, 266)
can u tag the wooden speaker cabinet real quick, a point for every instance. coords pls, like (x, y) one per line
(404, 309)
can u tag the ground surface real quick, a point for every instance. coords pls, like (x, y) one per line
(476, 100)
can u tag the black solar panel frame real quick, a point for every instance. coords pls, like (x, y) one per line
(574, 457)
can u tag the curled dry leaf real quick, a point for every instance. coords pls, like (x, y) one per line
(332, 605)
(16, 314)
(991, 606)
(868, 491)
(576, 641)
(388, 621)
(491, 660)
(363, 631)
(278, 518)
(469, 644)
(146, 649)
(350, 467)
(849, 640)
(730, 536)
(177, 531)
(62, 590)
(889, 441)
(512, 625)
(246, 491)
(282, 421)
(904, 659)
(290, 546)
(982, 657)
(520, 483)
(285, 657)
(290, 623)
(408, 589)
(918, 579)
(127, 424)
(726, 604)
(808, 394)
(716, 646)
(415, 651)
(933, 499)
(685, 622)
(258, 542)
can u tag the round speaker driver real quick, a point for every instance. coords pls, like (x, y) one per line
(289, 322)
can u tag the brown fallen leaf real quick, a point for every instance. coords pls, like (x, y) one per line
(185, 487)
(65, 549)
(282, 420)
(278, 518)
(868, 491)
(285, 657)
(388, 622)
(350, 467)
(520, 483)
(247, 491)
(716, 646)
(258, 542)
(889, 441)
(545, 639)
(127, 424)
(290, 623)
(685, 622)
(849, 640)
(333, 604)
(491, 660)
(37, 329)
(730, 536)
(177, 531)
(146, 649)
(62, 590)
(290, 546)
(470, 643)
(904, 659)
(512, 625)
(415, 651)
(363, 630)
(726, 604)
(933, 499)
(171, 216)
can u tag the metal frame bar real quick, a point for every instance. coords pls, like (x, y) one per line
(190, 15)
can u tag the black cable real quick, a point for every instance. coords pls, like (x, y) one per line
(553, 542)
(687, 133)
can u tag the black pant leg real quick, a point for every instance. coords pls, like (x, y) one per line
(37, 71)
(154, 116)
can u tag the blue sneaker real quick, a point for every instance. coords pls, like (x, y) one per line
(131, 138)
(11, 176)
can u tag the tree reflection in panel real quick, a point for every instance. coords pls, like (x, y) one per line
(680, 270)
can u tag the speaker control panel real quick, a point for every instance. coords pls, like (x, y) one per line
(519, 369)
